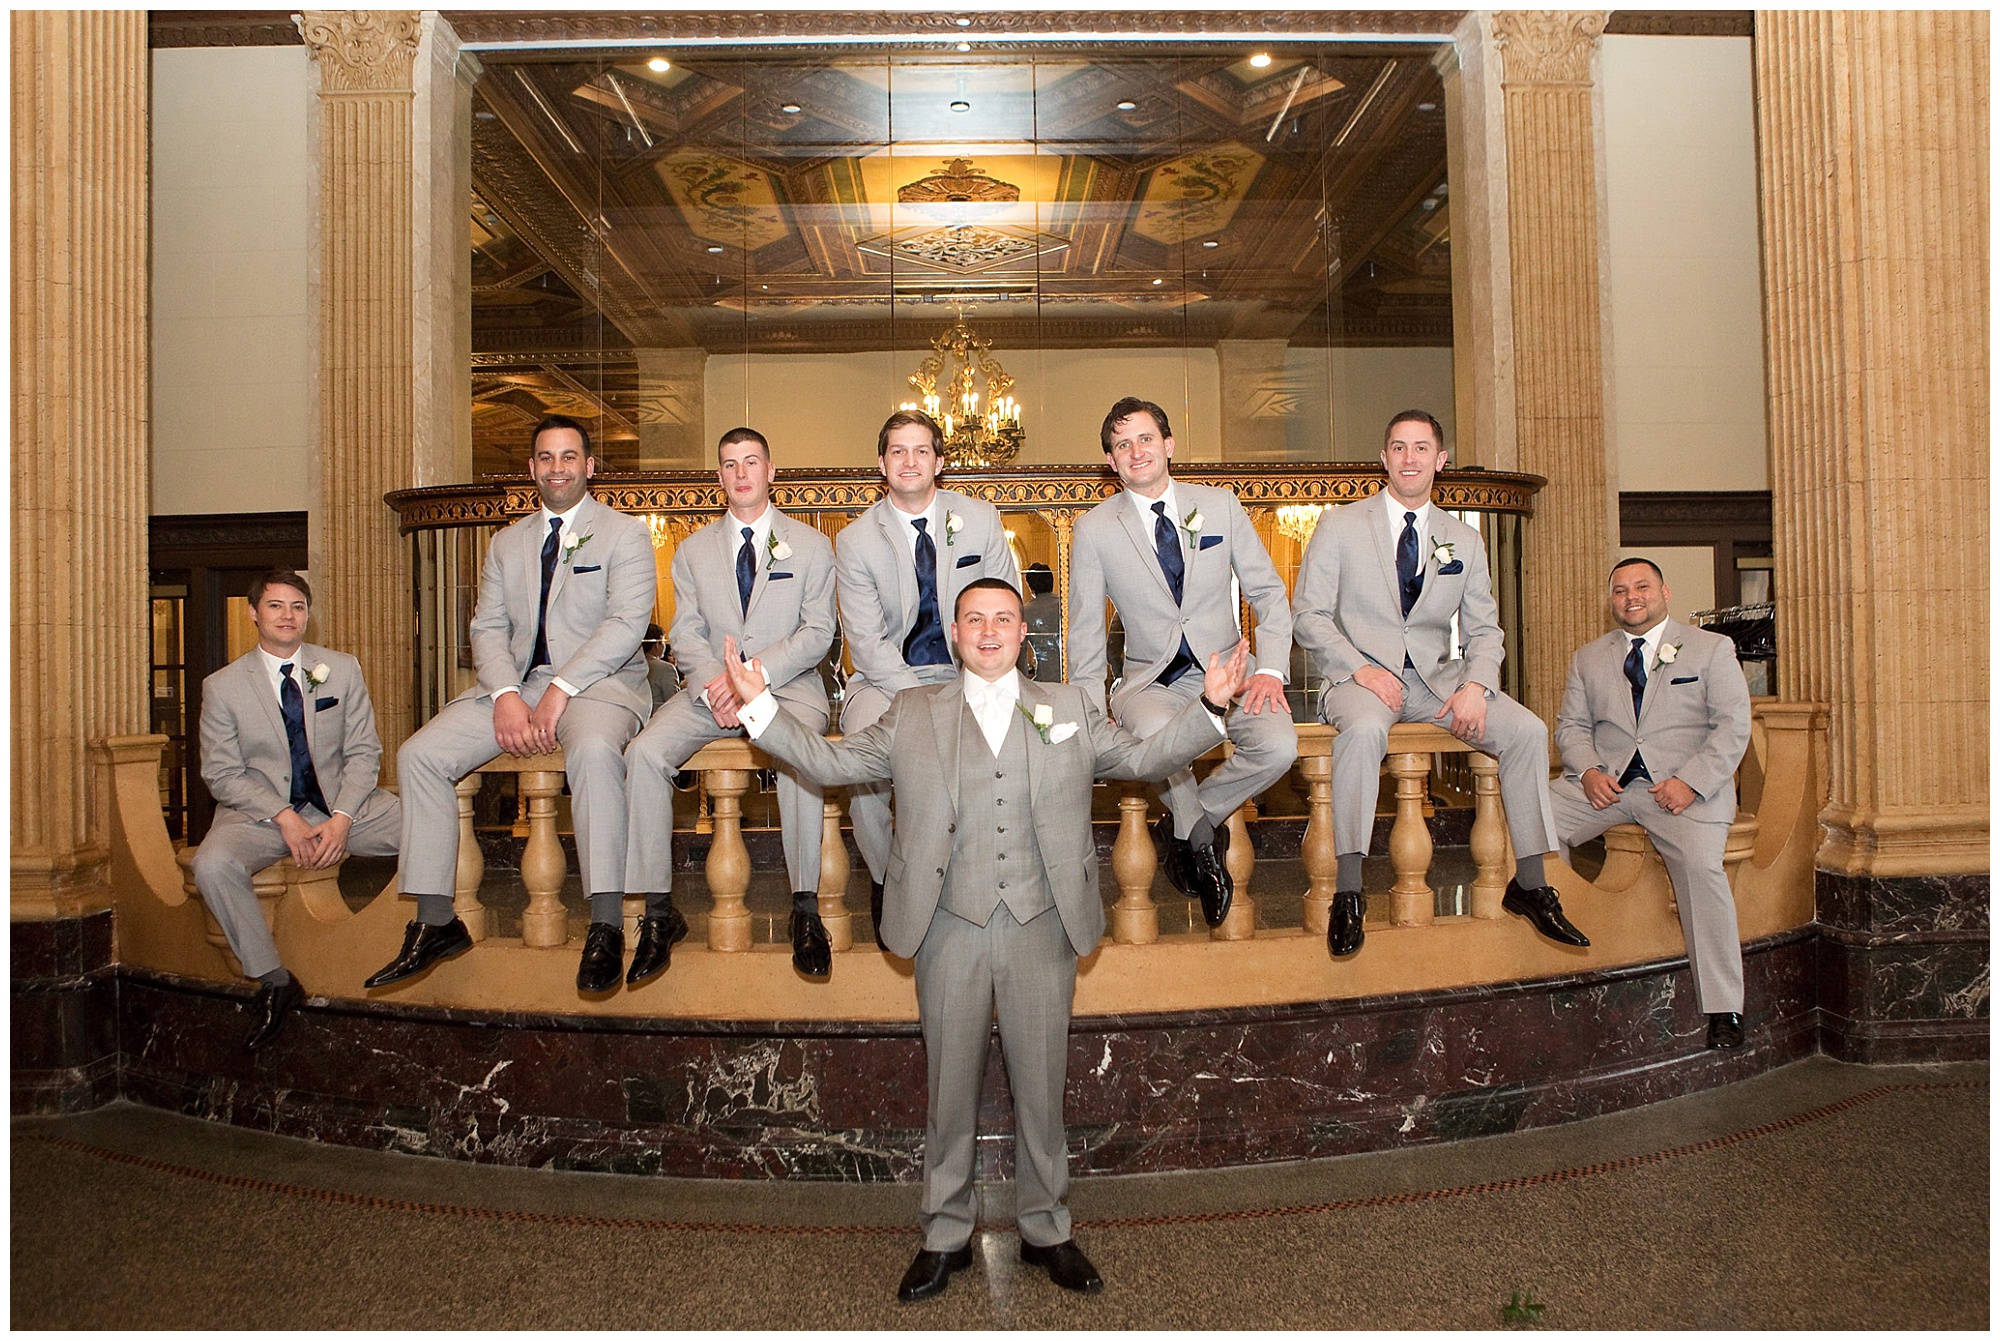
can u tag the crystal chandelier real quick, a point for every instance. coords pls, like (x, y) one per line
(981, 429)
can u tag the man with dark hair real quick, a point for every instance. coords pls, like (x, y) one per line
(1173, 557)
(1379, 587)
(901, 564)
(993, 892)
(663, 678)
(564, 596)
(289, 751)
(1655, 718)
(765, 580)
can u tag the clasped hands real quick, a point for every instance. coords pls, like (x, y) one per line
(521, 732)
(1466, 707)
(314, 847)
(1602, 791)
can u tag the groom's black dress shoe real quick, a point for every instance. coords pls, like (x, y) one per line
(1211, 877)
(931, 1272)
(655, 950)
(603, 958)
(1176, 854)
(1725, 1029)
(272, 1004)
(423, 946)
(812, 952)
(1066, 1265)
(1542, 907)
(1343, 924)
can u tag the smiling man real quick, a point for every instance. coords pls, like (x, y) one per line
(1175, 558)
(901, 565)
(1655, 718)
(1379, 587)
(765, 580)
(993, 892)
(289, 751)
(564, 596)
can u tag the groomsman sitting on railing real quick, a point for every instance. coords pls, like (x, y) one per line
(765, 580)
(564, 596)
(1378, 589)
(1655, 719)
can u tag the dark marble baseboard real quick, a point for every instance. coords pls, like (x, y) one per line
(63, 1014)
(1905, 967)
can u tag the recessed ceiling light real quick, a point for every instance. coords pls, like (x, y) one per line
(484, 115)
(715, 251)
(1127, 105)
(965, 46)
(963, 23)
(1159, 281)
(1427, 107)
(1260, 60)
(961, 105)
(659, 65)
(790, 109)
(1211, 243)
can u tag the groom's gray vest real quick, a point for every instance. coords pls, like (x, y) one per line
(994, 856)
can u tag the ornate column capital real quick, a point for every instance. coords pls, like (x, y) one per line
(362, 50)
(1546, 46)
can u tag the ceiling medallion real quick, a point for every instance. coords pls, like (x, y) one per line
(957, 183)
(973, 438)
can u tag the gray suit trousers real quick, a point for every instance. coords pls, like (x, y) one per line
(237, 848)
(868, 804)
(679, 728)
(1515, 736)
(966, 975)
(460, 738)
(1266, 744)
(1692, 850)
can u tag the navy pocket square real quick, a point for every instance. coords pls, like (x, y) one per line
(588, 568)
(1684, 679)
(777, 577)
(1452, 569)
(1210, 541)
(321, 705)
(967, 561)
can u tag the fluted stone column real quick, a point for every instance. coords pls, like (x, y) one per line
(1553, 236)
(80, 467)
(1873, 158)
(367, 284)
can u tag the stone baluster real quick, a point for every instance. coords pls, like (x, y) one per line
(1412, 904)
(1316, 852)
(471, 864)
(1135, 919)
(545, 924)
(728, 866)
(834, 869)
(1241, 922)
(1491, 847)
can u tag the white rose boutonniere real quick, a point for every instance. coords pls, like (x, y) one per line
(1669, 653)
(1441, 552)
(777, 550)
(575, 543)
(317, 676)
(953, 524)
(1043, 718)
(1192, 525)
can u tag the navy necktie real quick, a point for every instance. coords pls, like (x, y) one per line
(305, 780)
(746, 569)
(1635, 671)
(926, 645)
(550, 548)
(1409, 572)
(1168, 546)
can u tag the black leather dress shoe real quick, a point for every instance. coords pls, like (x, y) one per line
(603, 958)
(1343, 924)
(1543, 908)
(657, 938)
(1211, 878)
(875, 908)
(423, 946)
(931, 1272)
(812, 952)
(1066, 1265)
(1176, 854)
(272, 1004)
(1725, 1029)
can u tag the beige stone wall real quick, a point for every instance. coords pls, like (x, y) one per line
(1873, 144)
(79, 455)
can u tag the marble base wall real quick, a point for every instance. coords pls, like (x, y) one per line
(63, 1014)
(1904, 967)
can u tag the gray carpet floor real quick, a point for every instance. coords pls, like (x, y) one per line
(1819, 1196)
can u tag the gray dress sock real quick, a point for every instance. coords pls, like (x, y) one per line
(1528, 872)
(1347, 872)
(605, 907)
(434, 910)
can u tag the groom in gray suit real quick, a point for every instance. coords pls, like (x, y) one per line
(564, 596)
(1174, 557)
(1378, 589)
(901, 565)
(993, 891)
(1655, 718)
(289, 751)
(765, 580)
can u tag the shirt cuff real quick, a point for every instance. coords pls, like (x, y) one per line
(565, 686)
(1266, 670)
(510, 689)
(757, 713)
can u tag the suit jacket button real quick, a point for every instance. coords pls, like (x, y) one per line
(951, 828)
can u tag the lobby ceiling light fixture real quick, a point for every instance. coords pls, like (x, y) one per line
(1127, 105)
(790, 109)
(973, 437)
(715, 251)
(659, 65)
(960, 105)
(1211, 243)
(963, 22)
(965, 46)
(1260, 60)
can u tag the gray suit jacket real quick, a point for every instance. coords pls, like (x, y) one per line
(1349, 608)
(878, 581)
(246, 759)
(1114, 556)
(599, 604)
(790, 620)
(1693, 723)
(915, 746)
